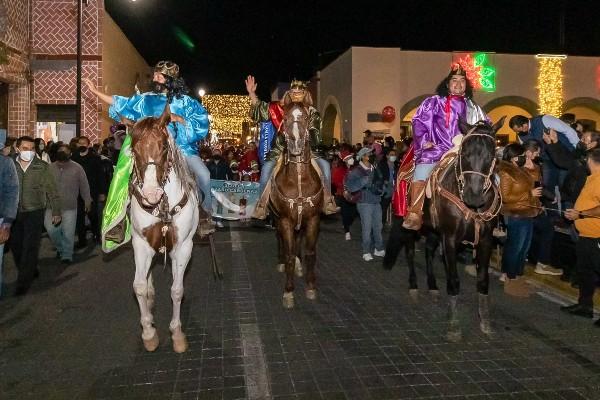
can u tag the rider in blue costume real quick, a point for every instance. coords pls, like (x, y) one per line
(187, 131)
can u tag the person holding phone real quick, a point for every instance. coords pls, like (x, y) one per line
(520, 205)
(540, 251)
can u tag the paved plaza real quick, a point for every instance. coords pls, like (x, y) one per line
(76, 334)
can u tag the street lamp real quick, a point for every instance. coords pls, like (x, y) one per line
(201, 92)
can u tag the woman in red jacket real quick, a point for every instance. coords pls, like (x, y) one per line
(338, 175)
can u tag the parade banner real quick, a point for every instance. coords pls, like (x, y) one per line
(234, 200)
(265, 139)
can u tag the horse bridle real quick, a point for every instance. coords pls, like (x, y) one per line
(460, 173)
(293, 158)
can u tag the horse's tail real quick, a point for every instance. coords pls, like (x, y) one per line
(397, 239)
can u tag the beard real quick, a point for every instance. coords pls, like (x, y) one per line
(158, 87)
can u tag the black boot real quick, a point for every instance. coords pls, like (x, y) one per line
(597, 323)
(579, 310)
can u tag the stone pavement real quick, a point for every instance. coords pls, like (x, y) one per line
(76, 335)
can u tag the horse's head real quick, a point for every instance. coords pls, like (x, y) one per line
(295, 127)
(476, 161)
(150, 148)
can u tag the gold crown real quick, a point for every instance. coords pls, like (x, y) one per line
(458, 69)
(168, 68)
(296, 84)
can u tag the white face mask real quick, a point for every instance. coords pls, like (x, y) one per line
(26, 155)
(392, 158)
(350, 162)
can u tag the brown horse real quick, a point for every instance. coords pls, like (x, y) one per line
(296, 200)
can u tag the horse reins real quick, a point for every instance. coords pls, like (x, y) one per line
(299, 200)
(478, 217)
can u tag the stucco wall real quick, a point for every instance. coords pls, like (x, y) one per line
(336, 81)
(388, 76)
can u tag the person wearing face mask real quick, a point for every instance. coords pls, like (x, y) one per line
(218, 167)
(188, 127)
(520, 205)
(9, 198)
(41, 151)
(540, 251)
(73, 184)
(338, 176)
(92, 165)
(388, 167)
(262, 111)
(37, 190)
(367, 180)
(435, 125)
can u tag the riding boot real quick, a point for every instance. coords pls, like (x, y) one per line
(414, 219)
(206, 225)
(329, 205)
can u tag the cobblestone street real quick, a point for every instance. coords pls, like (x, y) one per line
(76, 334)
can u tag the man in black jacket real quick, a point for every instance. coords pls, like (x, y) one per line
(92, 165)
(218, 167)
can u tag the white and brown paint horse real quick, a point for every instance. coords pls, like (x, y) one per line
(164, 218)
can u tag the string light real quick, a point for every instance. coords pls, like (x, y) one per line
(550, 84)
(228, 114)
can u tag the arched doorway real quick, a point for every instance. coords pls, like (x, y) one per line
(509, 106)
(332, 124)
(586, 109)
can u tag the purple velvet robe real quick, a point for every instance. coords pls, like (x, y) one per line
(429, 125)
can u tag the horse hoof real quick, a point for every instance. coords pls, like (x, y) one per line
(454, 336)
(414, 293)
(486, 328)
(288, 300)
(311, 294)
(298, 268)
(180, 344)
(152, 343)
(280, 267)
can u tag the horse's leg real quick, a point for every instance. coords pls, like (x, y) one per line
(281, 255)
(151, 292)
(452, 287)
(143, 259)
(180, 257)
(310, 255)
(484, 252)
(432, 243)
(298, 264)
(410, 239)
(286, 231)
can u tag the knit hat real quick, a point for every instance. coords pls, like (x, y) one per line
(345, 154)
(361, 153)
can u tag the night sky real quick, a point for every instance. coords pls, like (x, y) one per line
(217, 43)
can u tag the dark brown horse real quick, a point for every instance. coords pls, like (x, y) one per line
(296, 200)
(463, 210)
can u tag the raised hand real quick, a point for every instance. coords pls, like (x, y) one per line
(91, 86)
(251, 85)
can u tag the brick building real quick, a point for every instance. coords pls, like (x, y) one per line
(38, 40)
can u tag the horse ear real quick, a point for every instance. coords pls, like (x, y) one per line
(463, 125)
(496, 127)
(165, 117)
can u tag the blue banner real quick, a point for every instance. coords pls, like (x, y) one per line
(265, 139)
(234, 200)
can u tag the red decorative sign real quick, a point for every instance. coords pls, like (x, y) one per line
(388, 114)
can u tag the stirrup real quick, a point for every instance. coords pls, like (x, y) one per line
(205, 227)
(260, 212)
(413, 221)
